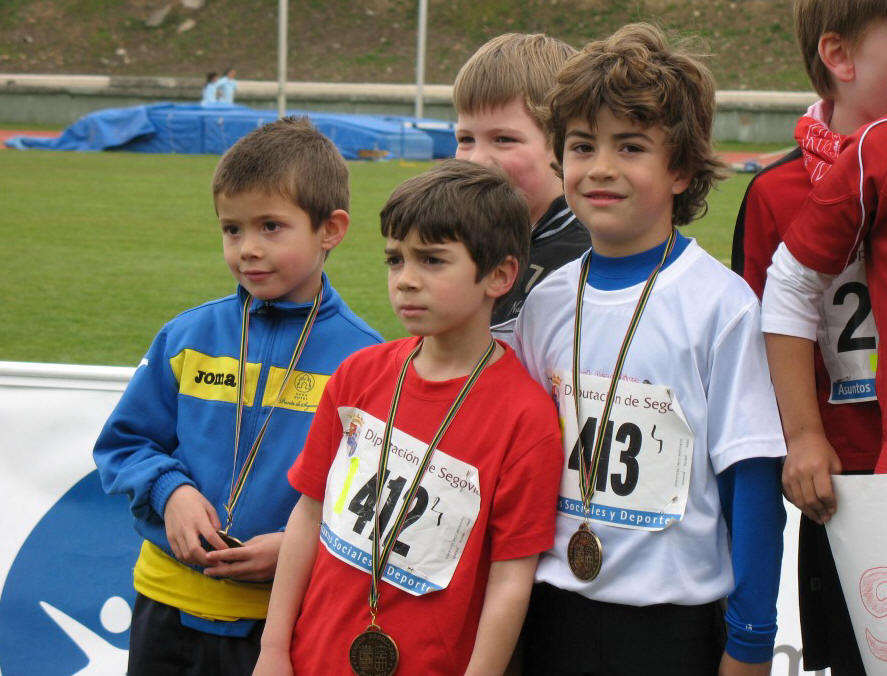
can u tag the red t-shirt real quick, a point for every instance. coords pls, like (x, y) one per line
(841, 212)
(771, 202)
(499, 463)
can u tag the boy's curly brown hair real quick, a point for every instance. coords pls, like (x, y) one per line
(638, 76)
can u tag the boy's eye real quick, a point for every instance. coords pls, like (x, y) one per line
(505, 139)
(582, 148)
(632, 148)
(271, 226)
(464, 140)
(392, 260)
(433, 260)
(229, 229)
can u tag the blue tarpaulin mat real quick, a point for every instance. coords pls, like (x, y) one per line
(194, 129)
(443, 134)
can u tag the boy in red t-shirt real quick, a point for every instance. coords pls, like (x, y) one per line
(462, 543)
(835, 426)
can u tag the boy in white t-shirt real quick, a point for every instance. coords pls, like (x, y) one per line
(674, 502)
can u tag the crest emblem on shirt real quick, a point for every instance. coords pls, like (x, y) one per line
(352, 434)
(555, 381)
(304, 383)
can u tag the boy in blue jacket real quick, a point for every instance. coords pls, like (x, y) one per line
(219, 407)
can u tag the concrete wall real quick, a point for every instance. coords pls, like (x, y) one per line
(62, 99)
(755, 116)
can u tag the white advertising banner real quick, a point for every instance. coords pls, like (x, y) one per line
(68, 550)
(858, 537)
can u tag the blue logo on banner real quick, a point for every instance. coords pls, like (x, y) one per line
(66, 604)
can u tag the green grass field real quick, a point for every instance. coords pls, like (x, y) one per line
(103, 248)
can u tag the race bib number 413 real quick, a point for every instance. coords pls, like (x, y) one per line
(643, 475)
(438, 524)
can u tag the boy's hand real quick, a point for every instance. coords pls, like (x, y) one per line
(810, 462)
(273, 663)
(806, 476)
(188, 516)
(733, 667)
(254, 562)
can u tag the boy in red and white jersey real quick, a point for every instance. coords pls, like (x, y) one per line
(835, 426)
(844, 220)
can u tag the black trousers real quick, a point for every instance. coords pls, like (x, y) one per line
(159, 645)
(826, 631)
(566, 634)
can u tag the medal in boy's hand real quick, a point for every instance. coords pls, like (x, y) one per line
(584, 553)
(229, 540)
(238, 480)
(373, 653)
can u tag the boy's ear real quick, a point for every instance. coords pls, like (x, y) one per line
(681, 183)
(501, 278)
(837, 56)
(334, 229)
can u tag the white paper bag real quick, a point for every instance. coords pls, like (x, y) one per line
(858, 537)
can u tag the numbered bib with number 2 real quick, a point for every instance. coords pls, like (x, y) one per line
(848, 338)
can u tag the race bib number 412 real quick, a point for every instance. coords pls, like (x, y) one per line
(438, 524)
(643, 475)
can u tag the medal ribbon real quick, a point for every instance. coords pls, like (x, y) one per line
(588, 471)
(238, 483)
(382, 550)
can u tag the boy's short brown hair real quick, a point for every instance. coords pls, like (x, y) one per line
(847, 18)
(290, 157)
(460, 201)
(639, 77)
(510, 66)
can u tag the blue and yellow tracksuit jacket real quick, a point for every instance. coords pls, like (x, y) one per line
(174, 425)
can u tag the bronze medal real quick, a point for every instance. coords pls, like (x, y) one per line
(373, 653)
(229, 540)
(584, 553)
